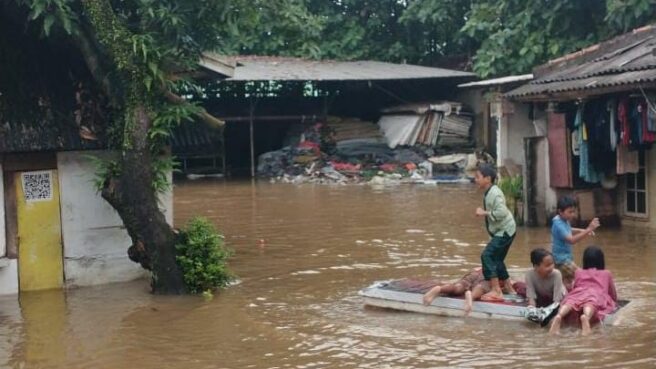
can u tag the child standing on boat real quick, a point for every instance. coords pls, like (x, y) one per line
(500, 224)
(563, 236)
(593, 295)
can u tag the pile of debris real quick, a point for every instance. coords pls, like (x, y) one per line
(354, 151)
(443, 124)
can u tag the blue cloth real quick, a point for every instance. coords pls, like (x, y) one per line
(560, 248)
(586, 171)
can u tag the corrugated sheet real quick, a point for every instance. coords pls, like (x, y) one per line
(255, 68)
(585, 83)
(193, 137)
(626, 59)
(498, 81)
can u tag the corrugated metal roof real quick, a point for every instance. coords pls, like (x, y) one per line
(29, 137)
(624, 60)
(498, 81)
(258, 68)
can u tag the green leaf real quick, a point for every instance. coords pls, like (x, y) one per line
(47, 24)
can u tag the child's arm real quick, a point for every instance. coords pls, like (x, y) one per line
(531, 295)
(575, 237)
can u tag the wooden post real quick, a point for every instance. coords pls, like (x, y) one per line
(250, 121)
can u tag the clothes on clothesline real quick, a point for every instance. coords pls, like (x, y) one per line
(607, 135)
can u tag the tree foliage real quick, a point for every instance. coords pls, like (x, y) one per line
(515, 35)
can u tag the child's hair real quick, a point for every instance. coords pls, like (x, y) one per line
(488, 171)
(566, 202)
(538, 254)
(567, 271)
(593, 257)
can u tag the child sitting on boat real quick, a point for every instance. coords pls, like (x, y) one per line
(458, 288)
(544, 284)
(593, 294)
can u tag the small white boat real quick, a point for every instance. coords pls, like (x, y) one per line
(406, 295)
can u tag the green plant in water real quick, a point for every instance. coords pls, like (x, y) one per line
(513, 190)
(202, 256)
(512, 187)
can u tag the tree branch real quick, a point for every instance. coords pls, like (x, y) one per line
(92, 57)
(204, 116)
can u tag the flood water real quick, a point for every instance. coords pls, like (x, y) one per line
(302, 254)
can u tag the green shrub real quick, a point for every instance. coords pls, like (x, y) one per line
(202, 256)
(512, 187)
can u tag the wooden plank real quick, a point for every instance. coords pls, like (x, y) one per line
(559, 156)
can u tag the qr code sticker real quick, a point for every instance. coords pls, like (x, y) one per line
(37, 186)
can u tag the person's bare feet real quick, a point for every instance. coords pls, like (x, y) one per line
(508, 288)
(555, 325)
(585, 325)
(468, 303)
(430, 295)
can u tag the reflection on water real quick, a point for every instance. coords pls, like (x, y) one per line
(302, 253)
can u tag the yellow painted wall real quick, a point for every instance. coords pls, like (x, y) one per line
(40, 264)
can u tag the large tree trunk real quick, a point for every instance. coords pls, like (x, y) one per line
(131, 193)
(133, 197)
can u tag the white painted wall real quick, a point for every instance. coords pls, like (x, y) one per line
(3, 237)
(8, 267)
(512, 130)
(95, 241)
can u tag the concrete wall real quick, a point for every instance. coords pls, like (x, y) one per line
(512, 130)
(3, 238)
(95, 241)
(473, 100)
(8, 267)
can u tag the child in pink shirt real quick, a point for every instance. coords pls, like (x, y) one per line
(593, 294)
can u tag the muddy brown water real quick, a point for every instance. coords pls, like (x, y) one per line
(302, 254)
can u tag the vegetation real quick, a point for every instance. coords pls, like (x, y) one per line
(203, 256)
(513, 189)
(495, 37)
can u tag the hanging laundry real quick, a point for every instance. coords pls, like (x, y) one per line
(648, 137)
(586, 171)
(575, 142)
(611, 107)
(651, 117)
(623, 116)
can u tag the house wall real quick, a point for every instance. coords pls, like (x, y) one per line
(473, 99)
(95, 241)
(650, 221)
(540, 129)
(3, 238)
(8, 267)
(512, 130)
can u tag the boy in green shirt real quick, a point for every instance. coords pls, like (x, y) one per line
(500, 224)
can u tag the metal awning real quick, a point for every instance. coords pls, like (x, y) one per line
(264, 68)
